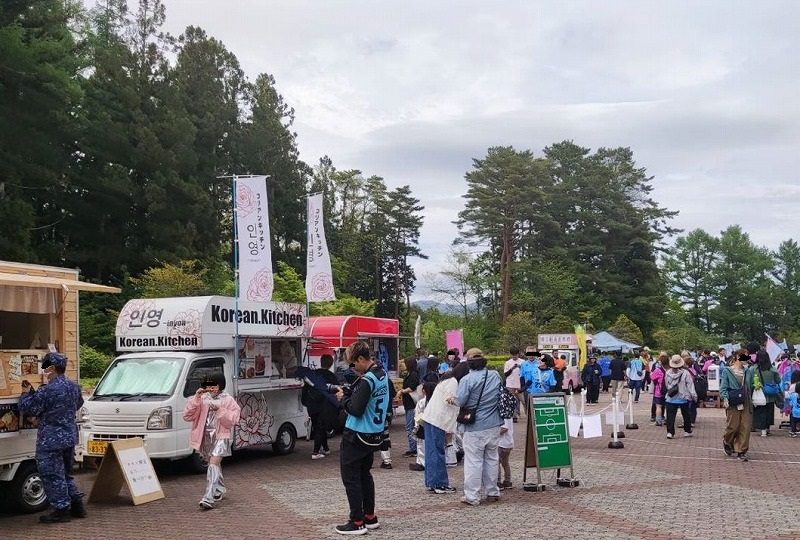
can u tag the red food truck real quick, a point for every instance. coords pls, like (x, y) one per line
(331, 335)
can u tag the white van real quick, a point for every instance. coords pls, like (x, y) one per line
(170, 345)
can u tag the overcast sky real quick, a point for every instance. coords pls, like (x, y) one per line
(705, 93)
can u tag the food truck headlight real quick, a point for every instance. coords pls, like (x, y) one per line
(160, 418)
(83, 416)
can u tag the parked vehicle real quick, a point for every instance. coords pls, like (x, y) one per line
(38, 311)
(170, 345)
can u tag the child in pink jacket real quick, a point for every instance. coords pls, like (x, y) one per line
(213, 415)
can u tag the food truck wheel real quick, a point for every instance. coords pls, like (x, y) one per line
(26, 491)
(285, 439)
(196, 464)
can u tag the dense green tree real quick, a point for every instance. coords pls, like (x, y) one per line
(688, 271)
(627, 330)
(39, 94)
(504, 193)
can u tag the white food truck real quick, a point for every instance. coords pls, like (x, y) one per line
(170, 345)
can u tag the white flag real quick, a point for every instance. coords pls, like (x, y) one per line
(319, 278)
(418, 333)
(252, 229)
(773, 349)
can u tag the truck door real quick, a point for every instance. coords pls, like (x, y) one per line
(200, 369)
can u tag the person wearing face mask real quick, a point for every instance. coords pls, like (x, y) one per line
(213, 414)
(735, 395)
(54, 405)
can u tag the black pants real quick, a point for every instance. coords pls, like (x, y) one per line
(672, 412)
(606, 382)
(320, 430)
(794, 423)
(559, 375)
(592, 393)
(356, 462)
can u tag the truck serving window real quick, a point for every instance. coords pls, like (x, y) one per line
(199, 371)
(148, 377)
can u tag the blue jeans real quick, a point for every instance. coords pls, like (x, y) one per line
(412, 441)
(435, 463)
(636, 386)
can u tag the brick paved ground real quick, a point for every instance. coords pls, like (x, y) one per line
(641, 491)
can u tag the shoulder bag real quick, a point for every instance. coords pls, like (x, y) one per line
(467, 416)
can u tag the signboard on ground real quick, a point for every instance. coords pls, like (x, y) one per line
(547, 438)
(126, 461)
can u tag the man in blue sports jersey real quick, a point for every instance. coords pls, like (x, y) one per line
(367, 403)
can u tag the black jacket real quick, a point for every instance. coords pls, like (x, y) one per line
(617, 369)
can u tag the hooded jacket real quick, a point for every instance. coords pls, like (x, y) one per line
(683, 379)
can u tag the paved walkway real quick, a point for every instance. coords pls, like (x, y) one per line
(647, 490)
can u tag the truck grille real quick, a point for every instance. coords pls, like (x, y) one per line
(118, 421)
(112, 437)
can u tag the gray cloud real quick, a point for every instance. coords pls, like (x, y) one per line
(705, 93)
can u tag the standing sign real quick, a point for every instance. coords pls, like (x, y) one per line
(126, 461)
(547, 439)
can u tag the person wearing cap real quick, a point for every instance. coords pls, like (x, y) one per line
(54, 405)
(480, 392)
(591, 379)
(680, 392)
(213, 414)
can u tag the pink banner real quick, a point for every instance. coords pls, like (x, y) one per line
(454, 339)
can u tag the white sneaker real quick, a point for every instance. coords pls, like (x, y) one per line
(317, 456)
(763, 432)
(669, 435)
(687, 434)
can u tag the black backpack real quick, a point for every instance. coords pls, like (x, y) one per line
(700, 386)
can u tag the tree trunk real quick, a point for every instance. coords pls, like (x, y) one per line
(505, 274)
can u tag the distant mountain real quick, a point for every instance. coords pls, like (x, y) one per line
(450, 309)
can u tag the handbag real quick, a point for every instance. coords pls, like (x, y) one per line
(770, 389)
(466, 416)
(759, 399)
(506, 403)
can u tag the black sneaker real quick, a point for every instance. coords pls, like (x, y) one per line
(77, 508)
(743, 457)
(385, 465)
(371, 523)
(409, 454)
(444, 490)
(57, 516)
(351, 527)
(727, 448)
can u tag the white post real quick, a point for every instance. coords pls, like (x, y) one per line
(615, 442)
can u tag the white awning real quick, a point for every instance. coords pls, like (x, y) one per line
(26, 280)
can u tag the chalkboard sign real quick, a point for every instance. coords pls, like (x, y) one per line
(126, 461)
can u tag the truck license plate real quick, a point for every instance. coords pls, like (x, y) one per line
(97, 448)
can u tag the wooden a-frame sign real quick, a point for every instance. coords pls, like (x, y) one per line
(126, 461)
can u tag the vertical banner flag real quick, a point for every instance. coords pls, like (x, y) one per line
(319, 279)
(252, 230)
(773, 349)
(580, 335)
(454, 339)
(418, 332)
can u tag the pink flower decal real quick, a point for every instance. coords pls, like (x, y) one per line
(132, 315)
(254, 423)
(291, 309)
(260, 287)
(185, 323)
(245, 200)
(322, 287)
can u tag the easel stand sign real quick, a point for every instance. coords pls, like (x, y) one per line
(126, 461)
(547, 440)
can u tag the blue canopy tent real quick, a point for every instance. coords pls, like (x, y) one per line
(604, 342)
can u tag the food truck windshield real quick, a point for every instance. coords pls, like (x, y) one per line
(141, 377)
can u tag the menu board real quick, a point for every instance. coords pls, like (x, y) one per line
(126, 462)
(255, 357)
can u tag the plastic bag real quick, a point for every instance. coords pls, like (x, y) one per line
(759, 399)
